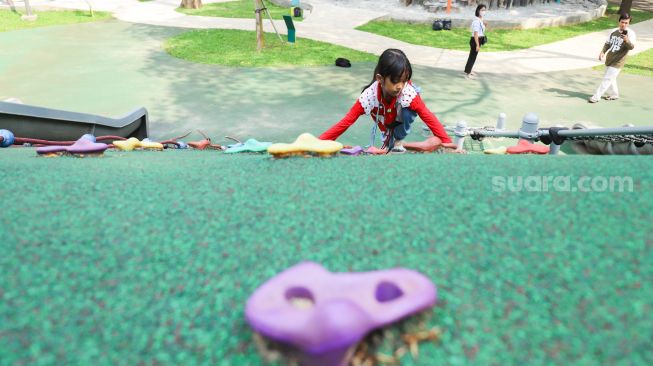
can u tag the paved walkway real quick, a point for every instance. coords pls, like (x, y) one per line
(334, 24)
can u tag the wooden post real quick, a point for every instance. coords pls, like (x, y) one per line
(191, 4)
(260, 37)
(28, 9)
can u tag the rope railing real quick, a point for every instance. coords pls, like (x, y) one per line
(553, 136)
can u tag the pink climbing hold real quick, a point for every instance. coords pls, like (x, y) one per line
(527, 147)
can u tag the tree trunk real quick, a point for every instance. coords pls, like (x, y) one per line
(260, 37)
(191, 4)
(625, 6)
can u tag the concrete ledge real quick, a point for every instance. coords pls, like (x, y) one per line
(286, 4)
(464, 20)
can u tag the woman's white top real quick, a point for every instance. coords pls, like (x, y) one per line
(478, 26)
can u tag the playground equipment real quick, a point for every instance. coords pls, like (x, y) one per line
(325, 315)
(251, 145)
(630, 140)
(53, 124)
(260, 38)
(133, 143)
(85, 146)
(305, 144)
(291, 28)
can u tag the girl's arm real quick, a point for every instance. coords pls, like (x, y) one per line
(339, 128)
(478, 44)
(430, 119)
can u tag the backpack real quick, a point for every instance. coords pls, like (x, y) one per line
(446, 24)
(343, 62)
(437, 25)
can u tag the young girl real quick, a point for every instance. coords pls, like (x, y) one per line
(393, 102)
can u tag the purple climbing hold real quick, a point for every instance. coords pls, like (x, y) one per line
(80, 147)
(325, 314)
(356, 150)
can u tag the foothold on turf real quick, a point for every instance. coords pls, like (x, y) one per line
(89, 137)
(251, 145)
(326, 314)
(305, 144)
(527, 147)
(353, 151)
(133, 143)
(81, 148)
(7, 138)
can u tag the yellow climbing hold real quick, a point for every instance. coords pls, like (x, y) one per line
(133, 143)
(501, 150)
(305, 144)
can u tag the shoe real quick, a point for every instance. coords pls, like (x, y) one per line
(470, 77)
(592, 100)
(398, 150)
(610, 97)
(473, 73)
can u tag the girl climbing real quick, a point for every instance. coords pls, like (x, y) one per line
(393, 103)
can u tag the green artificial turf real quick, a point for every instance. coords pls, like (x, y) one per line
(238, 48)
(238, 9)
(149, 257)
(499, 39)
(10, 20)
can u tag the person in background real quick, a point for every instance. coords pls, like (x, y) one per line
(616, 47)
(476, 41)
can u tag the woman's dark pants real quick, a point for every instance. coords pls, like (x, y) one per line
(472, 56)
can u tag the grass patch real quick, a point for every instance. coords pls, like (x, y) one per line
(237, 9)
(238, 48)
(499, 39)
(640, 64)
(10, 20)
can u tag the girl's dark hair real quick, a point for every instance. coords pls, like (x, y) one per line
(478, 9)
(393, 63)
(624, 16)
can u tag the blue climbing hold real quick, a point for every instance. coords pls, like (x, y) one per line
(89, 137)
(7, 138)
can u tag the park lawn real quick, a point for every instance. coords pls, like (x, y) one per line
(237, 9)
(640, 64)
(10, 20)
(238, 48)
(499, 39)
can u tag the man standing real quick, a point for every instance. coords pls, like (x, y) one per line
(615, 49)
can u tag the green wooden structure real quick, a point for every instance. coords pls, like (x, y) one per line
(291, 28)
